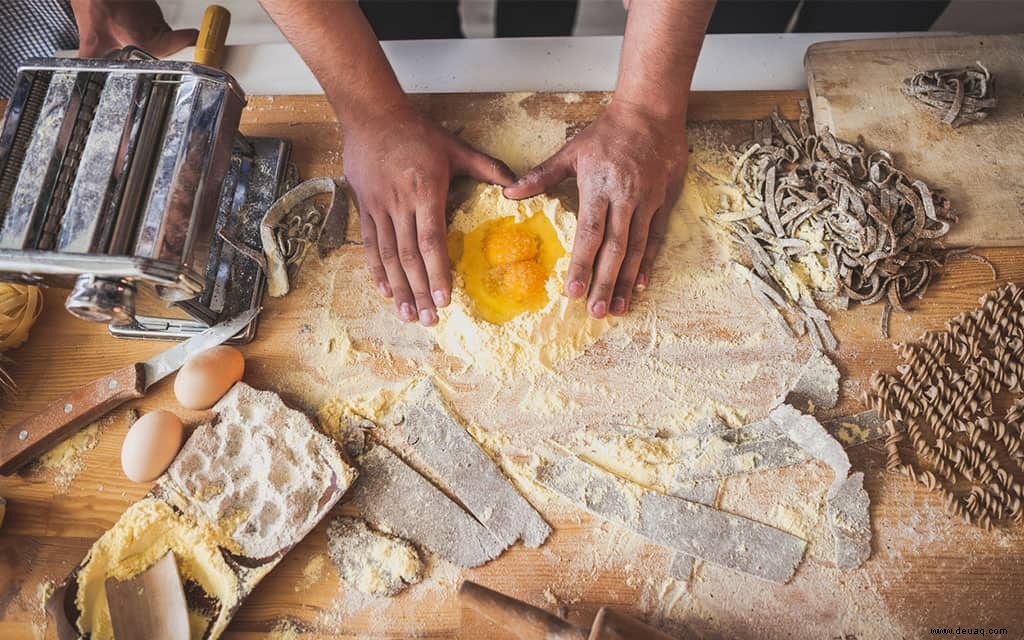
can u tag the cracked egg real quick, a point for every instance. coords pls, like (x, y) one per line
(506, 264)
(507, 315)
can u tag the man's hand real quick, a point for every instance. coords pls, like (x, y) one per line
(400, 164)
(629, 166)
(104, 25)
(629, 163)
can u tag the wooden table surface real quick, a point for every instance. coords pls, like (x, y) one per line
(926, 570)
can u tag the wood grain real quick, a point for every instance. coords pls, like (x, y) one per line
(926, 569)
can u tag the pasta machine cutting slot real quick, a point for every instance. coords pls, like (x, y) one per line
(128, 176)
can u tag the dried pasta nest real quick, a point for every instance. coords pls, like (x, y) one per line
(20, 305)
(954, 96)
(849, 222)
(954, 410)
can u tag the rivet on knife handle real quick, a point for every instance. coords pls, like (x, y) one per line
(25, 441)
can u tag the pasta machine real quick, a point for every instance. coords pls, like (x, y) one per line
(126, 178)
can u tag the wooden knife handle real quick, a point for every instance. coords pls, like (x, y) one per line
(33, 436)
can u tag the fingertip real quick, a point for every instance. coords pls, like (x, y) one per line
(619, 306)
(384, 289)
(406, 312)
(428, 317)
(480, 166)
(441, 297)
(506, 176)
(575, 288)
(642, 281)
(598, 309)
(494, 172)
(525, 187)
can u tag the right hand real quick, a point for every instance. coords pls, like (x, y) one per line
(400, 164)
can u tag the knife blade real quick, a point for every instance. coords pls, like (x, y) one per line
(167, 362)
(60, 419)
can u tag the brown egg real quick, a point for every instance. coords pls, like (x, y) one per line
(150, 445)
(207, 376)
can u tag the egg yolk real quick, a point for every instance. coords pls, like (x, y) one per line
(508, 245)
(520, 281)
(506, 265)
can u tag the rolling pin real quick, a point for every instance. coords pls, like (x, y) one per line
(212, 35)
(525, 621)
(612, 625)
(532, 623)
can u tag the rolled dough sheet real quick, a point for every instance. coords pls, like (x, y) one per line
(850, 521)
(444, 445)
(818, 384)
(728, 451)
(394, 497)
(682, 567)
(764, 444)
(808, 434)
(846, 504)
(688, 527)
(703, 492)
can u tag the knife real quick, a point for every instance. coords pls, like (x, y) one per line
(37, 434)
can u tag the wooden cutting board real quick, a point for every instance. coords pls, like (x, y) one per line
(855, 90)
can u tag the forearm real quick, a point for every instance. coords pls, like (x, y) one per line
(340, 48)
(659, 54)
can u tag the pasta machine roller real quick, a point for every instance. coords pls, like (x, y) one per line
(126, 178)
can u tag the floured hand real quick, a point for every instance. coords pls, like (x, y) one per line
(399, 164)
(629, 166)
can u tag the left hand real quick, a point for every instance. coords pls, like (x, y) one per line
(104, 25)
(629, 166)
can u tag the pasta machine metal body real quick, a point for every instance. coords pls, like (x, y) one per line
(130, 173)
